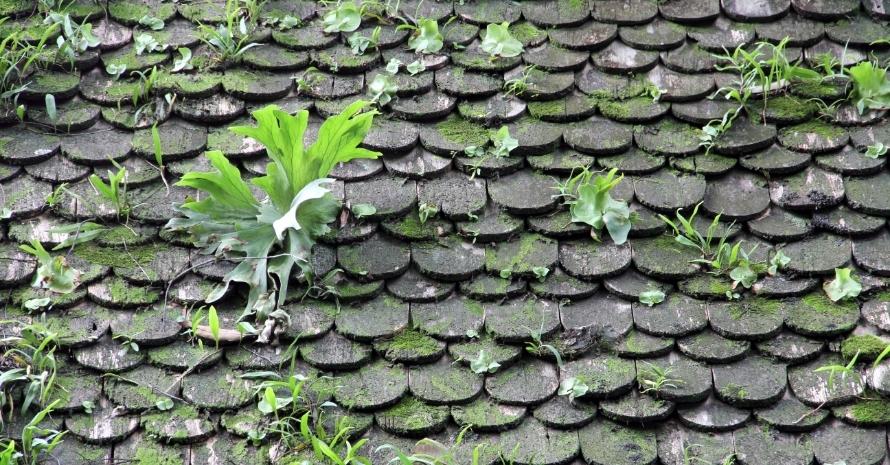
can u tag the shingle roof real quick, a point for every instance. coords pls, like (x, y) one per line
(411, 293)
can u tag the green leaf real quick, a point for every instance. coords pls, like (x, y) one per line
(392, 67)
(53, 273)
(228, 196)
(183, 62)
(844, 285)
(361, 210)
(572, 387)
(213, 321)
(269, 403)
(164, 403)
(503, 143)
(499, 42)
(876, 150)
(744, 275)
(50, 104)
(415, 67)
(427, 38)
(318, 213)
(652, 297)
(346, 17)
(382, 89)
(156, 143)
(484, 363)
(155, 24)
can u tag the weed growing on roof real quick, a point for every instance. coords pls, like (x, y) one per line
(651, 297)
(35, 444)
(519, 85)
(871, 88)
(588, 196)
(498, 41)
(502, 143)
(722, 257)
(360, 43)
(53, 273)
(431, 452)
(573, 388)
(268, 237)
(538, 347)
(232, 38)
(877, 150)
(425, 211)
(653, 378)
(425, 36)
(484, 363)
(837, 369)
(18, 58)
(33, 354)
(843, 286)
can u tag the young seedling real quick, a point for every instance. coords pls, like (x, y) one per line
(146, 43)
(590, 202)
(871, 88)
(53, 273)
(519, 85)
(653, 378)
(652, 297)
(498, 41)
(573, 388)
(18, 58)
(484, 363)
(431, 452)
(425, 36)
(876, 150)
(74, 38)
(541, 273)
(425, 211)
(502, 143)
(537, 346)
(382, 89)
(115, 191)
(232, 38)
(360, 43)
(346, 16)
(835, 369)
(844, 285)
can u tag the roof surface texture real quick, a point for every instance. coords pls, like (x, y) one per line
(739, 374)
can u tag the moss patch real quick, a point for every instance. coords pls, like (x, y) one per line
(461, 131)
(867, 345)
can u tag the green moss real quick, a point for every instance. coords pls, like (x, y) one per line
(868, 346)
(756, 306)
(871, 411)
(462, 131)
(483, 413)
(115, 257)
(122, 292)
(120, 235)
(622, 110)
(410, 227)
(547, 108)
(155, 455)
(822, 304)
(411, 413)
(525, 32)
(129, 58)
(130, 11)
(816, 127)
(735, 391)
(412, 342)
